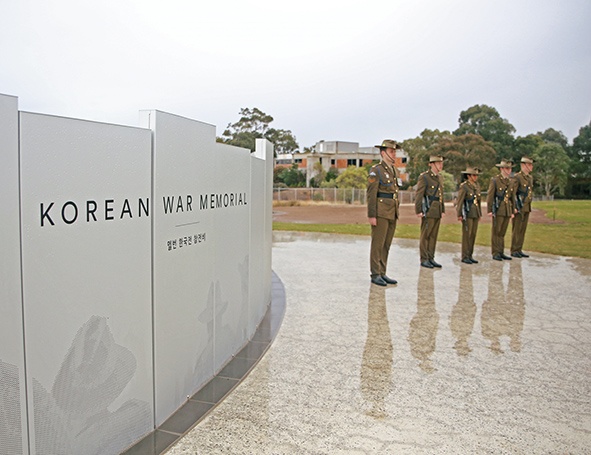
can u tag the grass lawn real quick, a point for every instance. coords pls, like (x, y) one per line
(571, 238)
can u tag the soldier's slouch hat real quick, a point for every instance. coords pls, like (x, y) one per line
(471, 171)
(505, 163)
(389, 143)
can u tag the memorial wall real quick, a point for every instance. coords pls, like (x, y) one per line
(135, 263)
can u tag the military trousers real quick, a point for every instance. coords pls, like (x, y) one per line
(469, 229)
(381, 239)
(518, 231)
(498, 231)
(428, 241)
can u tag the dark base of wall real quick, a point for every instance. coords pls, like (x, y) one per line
(212, 393)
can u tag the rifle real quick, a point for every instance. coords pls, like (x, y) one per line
(518, 202)
(426, 205)
(465, 211)
(520, 197)
(496, 203)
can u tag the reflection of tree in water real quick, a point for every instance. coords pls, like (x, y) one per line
(424, 324)
(463, 313)
(503, 313)
(376, 364)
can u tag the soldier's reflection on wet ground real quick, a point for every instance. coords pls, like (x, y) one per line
(424, 324)
(359, 370)
(463, 313)
(376, 364)
(503, 312)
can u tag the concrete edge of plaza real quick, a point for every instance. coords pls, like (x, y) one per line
(202, 402)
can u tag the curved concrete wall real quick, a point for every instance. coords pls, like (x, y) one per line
(135, 263)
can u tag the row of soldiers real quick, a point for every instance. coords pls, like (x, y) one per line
(509, 198)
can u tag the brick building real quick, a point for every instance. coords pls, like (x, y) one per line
(338, 155)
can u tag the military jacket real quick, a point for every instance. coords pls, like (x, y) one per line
(469, 197)
(382, 192)
(502, 188)
(523, 189)
(431, 186)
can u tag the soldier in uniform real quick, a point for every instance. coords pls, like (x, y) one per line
(382, 210)
(500, 203)
(469, 212)
(430, 208)
(523, 183)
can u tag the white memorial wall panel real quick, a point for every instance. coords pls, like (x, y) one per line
(13, 423)
(266, 152)
(135, 263)
(86, 249)
(184, 247)
(261, 171)
(231, 190)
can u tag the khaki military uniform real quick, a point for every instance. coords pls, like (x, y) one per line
(502, 187)
(523, 190)
(383, 204)
(469, 208)
(430, 185)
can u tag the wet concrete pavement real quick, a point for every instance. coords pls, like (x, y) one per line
(487, 358)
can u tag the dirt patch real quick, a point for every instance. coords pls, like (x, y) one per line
(357, 214)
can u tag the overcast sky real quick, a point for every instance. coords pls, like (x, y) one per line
(358, 71)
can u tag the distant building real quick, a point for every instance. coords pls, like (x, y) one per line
(338, 155)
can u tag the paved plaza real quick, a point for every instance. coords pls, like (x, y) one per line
(492, 358)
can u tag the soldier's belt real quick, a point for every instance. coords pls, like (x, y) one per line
(387, 195)
(434, 198)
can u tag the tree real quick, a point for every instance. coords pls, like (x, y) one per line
(580, 154)
(252, 121)
(463, 151)
(319, 175)
(254, 124)
(277, 175)
(526, 146)
(332, 174)
(551, 168)
(553, 136)
(293, 177)
(283, 140)
(419, 149)
(352, 177)
(449, 183)
(486, 121)
(332, 183)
